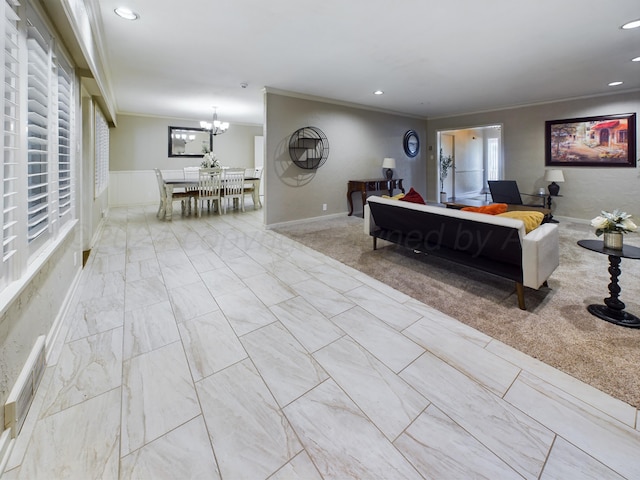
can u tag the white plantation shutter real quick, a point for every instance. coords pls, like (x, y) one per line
(102, 153)
(38, 136)
(9, 184)
(66, 191)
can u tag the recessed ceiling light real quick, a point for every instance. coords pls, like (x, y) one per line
(615, 84)
(630, 25)
(126, 13)
(637, 59)
(378, 92)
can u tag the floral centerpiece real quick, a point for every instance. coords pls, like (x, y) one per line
(613, 225)
(209, 160)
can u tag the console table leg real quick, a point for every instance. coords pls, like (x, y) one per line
(350, 201)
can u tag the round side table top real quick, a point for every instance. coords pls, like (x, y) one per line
(628, 251)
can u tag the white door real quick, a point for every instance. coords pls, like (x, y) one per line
(447, 143)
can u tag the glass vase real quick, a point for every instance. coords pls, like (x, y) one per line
(613, 240)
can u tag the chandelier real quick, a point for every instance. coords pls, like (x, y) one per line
(216, 127)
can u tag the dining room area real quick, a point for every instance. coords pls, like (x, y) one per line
(207, 190)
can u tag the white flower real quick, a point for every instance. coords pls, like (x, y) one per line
(628, 225)
(600, 222)
(615, 221)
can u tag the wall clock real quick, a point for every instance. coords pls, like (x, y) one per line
(411, 143)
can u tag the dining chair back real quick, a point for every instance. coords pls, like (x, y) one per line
(233, 183)
(176, 196)
(252, 184)
(209, 189)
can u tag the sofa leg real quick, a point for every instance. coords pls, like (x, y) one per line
(375, 242)
(520, 293)
(545, 284)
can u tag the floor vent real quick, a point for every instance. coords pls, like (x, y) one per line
(23, 392)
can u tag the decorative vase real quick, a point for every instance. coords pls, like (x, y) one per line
(443, 197)
(613, 240)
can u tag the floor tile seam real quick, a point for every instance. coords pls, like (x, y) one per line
(362, 413)
(444, 410)
(586, 409)
(465, 430)
(396, 375)
(569, 393)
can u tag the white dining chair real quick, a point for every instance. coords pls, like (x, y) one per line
(181, 196)
(209, 189)
(253, 187)
(233, 187)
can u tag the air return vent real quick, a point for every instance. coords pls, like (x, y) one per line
(21, 396)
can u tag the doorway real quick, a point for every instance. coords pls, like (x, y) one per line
(477, 158)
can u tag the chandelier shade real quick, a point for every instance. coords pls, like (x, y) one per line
(215, 126)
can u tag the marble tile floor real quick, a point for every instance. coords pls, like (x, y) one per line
(211, 348)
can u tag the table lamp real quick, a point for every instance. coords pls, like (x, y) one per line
(554, 176)
(389, 164)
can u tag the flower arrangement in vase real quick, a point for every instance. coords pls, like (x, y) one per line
(209, 160)
(613, 225)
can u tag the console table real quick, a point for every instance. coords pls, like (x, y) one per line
(373, 185)
(613, 309)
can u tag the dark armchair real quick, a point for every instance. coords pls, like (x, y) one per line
(506, 191)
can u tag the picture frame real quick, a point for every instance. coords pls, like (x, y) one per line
(598, 141)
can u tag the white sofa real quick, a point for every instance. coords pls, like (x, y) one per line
(494, 244)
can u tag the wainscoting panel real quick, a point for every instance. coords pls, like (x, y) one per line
(133, 187)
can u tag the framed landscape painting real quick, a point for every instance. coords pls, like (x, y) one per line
(603, 141)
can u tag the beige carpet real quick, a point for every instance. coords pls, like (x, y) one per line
(556, 328)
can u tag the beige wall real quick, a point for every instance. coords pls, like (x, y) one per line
(141, 143)
(358, 141)
(586, 190)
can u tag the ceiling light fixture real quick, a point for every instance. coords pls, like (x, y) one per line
(637, 59)
(126, 13)
(217, 127)
(615, 84)
(630, 25)
(378, 92)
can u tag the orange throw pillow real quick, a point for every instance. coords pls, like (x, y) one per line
(493, 209)
(413, 197)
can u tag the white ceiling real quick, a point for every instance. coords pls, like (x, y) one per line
(431, 58)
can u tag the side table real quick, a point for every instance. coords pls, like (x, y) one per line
(613, 309)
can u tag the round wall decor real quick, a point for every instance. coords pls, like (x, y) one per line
(309, 148)
(411, 143)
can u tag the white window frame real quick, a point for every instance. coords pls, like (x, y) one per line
(47, 113)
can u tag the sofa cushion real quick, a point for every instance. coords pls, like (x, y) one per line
(397, 196)
(493, 209)
(531, 219)
(413, 197)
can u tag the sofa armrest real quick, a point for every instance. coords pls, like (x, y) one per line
(540, 254)
(369, 222)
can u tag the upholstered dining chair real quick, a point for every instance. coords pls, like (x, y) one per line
(182, 196)
(233, 187)
(209, 189)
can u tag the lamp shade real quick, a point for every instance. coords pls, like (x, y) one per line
(554, 176)
(389, 163)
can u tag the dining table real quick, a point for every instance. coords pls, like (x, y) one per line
(189, 184)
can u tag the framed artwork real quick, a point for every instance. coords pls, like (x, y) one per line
(602, 141)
